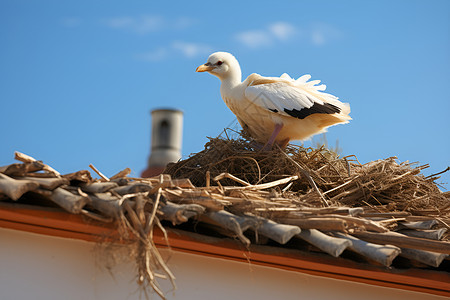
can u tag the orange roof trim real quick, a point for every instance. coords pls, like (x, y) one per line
(55, 222)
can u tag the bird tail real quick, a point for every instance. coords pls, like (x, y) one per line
(316, 89)
(344, 114)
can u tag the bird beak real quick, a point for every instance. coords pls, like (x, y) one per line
(204, 68)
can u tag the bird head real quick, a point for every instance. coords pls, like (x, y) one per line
(222, 65)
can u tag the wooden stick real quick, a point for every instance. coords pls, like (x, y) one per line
(121, 174)
(232, 177)
(28, 159)
(439, 173)
(48, 183)
(23, 157)
(368, 224)
(98, 173)
(70, 202)
(340, 186)
(231, 222)
(132, 188)
(427, 224)
(242, 157)
(431, 234)
(208, 179)
(263, 186)
(426, 257)
(324, 224)
(83, 176)
(14, 189)
(178, 214)
(400, 214)
(137, 225)
(155, 208)
(107, 204)
(331, 245)
(99, 187)
(280, 233)
(140, 203)
(404, 241)
(25, 169)
(210, 203)
(443, 223)
(384, 254)
(287, 187)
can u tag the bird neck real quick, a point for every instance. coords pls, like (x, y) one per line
(232, 79)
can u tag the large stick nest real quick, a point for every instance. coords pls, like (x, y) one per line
(340, 181)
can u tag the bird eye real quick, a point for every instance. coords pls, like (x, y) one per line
(219, 62)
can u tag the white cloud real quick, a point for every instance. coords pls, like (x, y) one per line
(254, 38)
(322, 34)
(173, 51)
(191, 50)
(148, 23)
(282, 30)
(317, 34)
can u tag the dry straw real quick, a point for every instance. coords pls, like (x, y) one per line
(324, 178)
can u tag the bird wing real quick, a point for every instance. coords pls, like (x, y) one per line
(286, 96)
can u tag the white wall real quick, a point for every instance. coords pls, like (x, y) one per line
(41, 267)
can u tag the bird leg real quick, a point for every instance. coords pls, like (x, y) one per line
(271, 141)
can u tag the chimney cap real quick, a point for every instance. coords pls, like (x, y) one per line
(166, 109)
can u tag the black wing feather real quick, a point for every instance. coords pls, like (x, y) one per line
(317, 108)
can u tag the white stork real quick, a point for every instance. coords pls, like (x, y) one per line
(275, 109)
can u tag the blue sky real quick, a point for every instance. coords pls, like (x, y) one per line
(78, 78)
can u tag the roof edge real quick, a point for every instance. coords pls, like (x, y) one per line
(55, 222)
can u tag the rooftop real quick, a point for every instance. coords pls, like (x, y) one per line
(302, 221)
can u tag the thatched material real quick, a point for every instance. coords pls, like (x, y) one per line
(386, 184)
(234, 190)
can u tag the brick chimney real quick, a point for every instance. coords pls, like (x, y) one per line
(167, 130)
